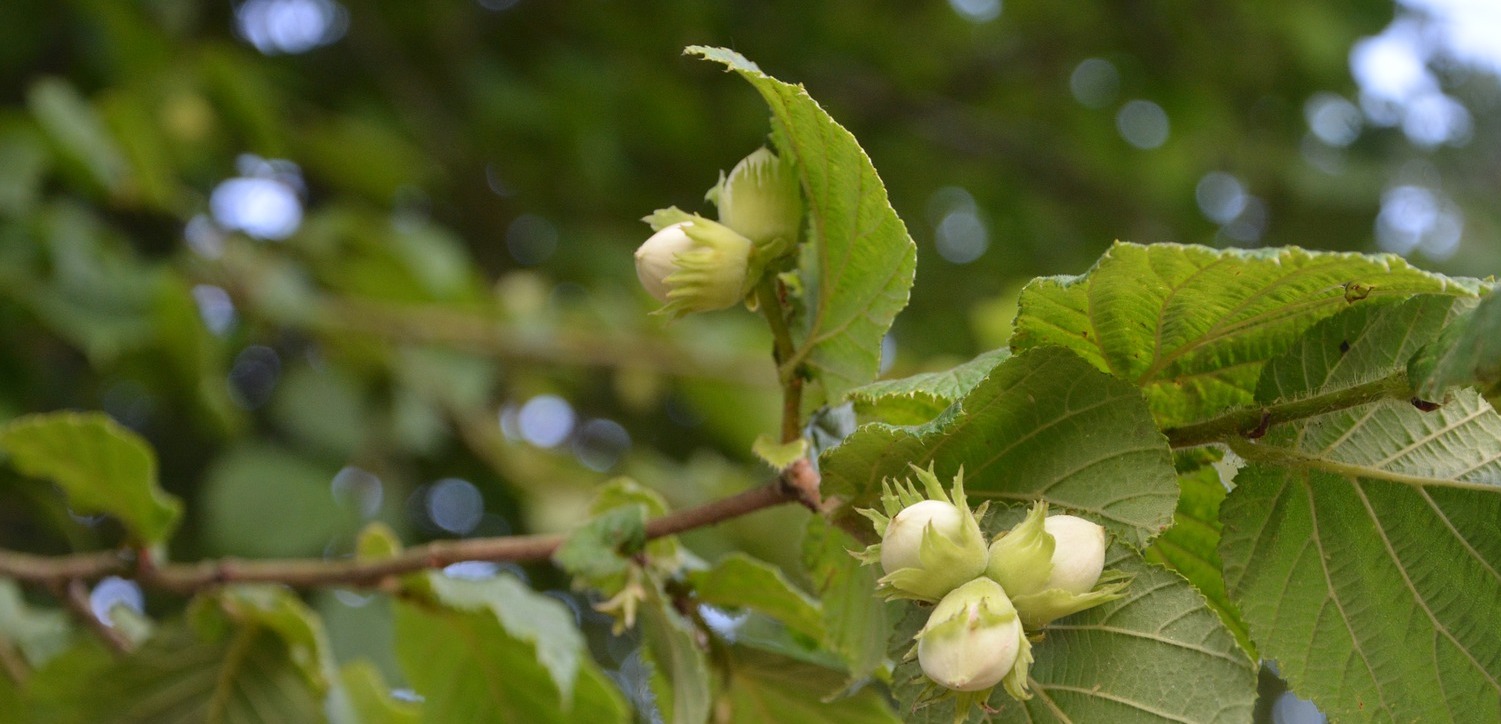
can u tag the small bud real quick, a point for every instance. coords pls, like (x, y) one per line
(1048, 566)
(929, 545)
(761, 200)
(694, 266)
(973, 640)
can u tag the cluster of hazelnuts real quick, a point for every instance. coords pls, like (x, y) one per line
(694, 264)
(989, 596)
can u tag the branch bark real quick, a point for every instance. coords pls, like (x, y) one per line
(798, 483)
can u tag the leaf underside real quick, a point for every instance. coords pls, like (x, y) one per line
(1362, 545)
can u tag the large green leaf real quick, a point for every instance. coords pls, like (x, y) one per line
(1362, 544)
(1191, 546)
(768, 689)
(102, 466)
(1158, 655)
(251, 655)
(1043, 425)
(922, 397)
(494, 650)
(1467, 352)
(858, 260)
(739, 581)
(1193, 326)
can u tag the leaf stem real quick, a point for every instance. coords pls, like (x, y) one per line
(799, 483)
(768, 297)
(1250, 421)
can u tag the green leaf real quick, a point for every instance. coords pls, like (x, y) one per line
(1192, 326)
(621, 492)
(1467, 352)
(779, 455)
(78, 131)
(24, 161)
(597, 550)
(493, 650)
(1158, 655)
(1362, 544)
(102, 466)
(922, 397)
(254, 483)
(858, 260)
(370, 698)
(739, 581)
(279, 609)
(36, 633)
(60, 691)
(855, 621)
(1043, 424)
(1191, 546)
(769, 689)
(681, 679)
(239, 673)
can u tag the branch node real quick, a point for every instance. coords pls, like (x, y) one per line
(801, 482)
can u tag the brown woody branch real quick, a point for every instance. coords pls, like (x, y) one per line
(797, 483)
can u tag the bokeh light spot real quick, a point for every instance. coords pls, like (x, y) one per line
(545, 420)
(959, 234)
(359, 490)
(204, 237)
(455, 505)
(1094, 82)
(115, 591)
(471, 570)
(215, 308)
(264, 201)
(288, 27)
(253, 376)
(1416, 218)
(1143, 124)
(977, 11)
(1249, 225)
(1221, 197)
(531, 239)
(1333, 119)
(600, 444)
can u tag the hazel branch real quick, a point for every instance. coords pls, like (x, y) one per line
(798, 483)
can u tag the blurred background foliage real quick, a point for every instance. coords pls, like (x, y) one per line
(343, 260)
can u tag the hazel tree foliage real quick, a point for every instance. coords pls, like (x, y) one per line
(1181, 465)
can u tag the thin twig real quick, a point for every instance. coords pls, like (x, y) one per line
(798, 483)
(75, 595)
(769, 298)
